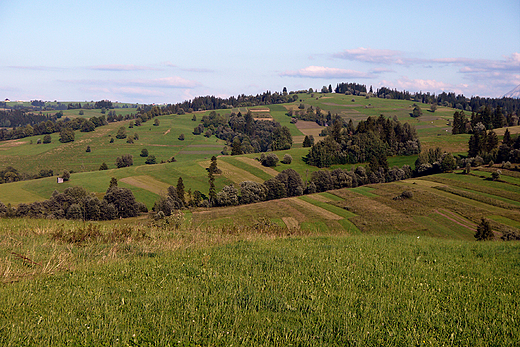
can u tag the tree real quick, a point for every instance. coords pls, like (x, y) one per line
(180, 191)
(66, 135)
(308, 141)
(194, 118)
(433, 107)
(65, 176)
(484, 231)
(151, 160)
(251, 192)
(269, 160)
(237, 147)
(156, 122)
(228, 196)
(121, 133)
(448, 163)
(123, 200)
(130, 140)
(124, 161)
(47, 138)
(287, 159)
(113, 183)
(417, 112)
(181, 137)
(88, 149)
(144, 152)
(103, 166)
(213, 166)
(506, 140)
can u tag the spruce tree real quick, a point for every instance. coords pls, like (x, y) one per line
(484, 231)
(180, 191)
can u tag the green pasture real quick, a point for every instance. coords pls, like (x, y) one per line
(223, 290)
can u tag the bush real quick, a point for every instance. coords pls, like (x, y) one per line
(65, 176)
(124, 161)
(181, 137)
(47, 139)
(144, 152)
(269, 160)
(151, 160)
(103, 166)
(88, 149)
(287, 159)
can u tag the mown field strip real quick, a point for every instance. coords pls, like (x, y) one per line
(247, 167)
(316, 209)
(233, 173)
(444, 214)
(147, 182)
(255, 163)
(290, 222)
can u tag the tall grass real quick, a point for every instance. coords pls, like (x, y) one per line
(192, 287)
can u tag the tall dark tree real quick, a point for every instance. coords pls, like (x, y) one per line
(180, 191)
(484, 231)
(236, 149)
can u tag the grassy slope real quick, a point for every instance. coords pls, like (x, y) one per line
(162, 141)
(256, 290)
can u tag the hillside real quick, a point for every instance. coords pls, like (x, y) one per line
(192, 154)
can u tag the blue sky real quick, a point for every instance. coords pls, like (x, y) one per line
(170, 51)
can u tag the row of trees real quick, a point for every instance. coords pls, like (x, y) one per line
(77, 203)
(485, 117)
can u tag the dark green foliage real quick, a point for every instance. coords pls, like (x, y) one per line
(484, 231)
(121, 133)
(65, 176)
(417, 112)
(448, 163)
(460, 123)
(144, 152)
(88, 126)
(111, 140)
(180, 191)
(213, 168)
(228, 196)
(66, 135)
(181, 137)
(46, 173)
(156, 122)
(103, 166)
(124, 161)
(287, 159)
(281, 138)
(293, 184)
(269, 160)
(123, 200)
(237, 147)
(88, 150)
(47, 138)
(113, 183)
(251, 192)
(375, 137)
(308, 141)
(275, 189)
(151, 160)
(130, 140)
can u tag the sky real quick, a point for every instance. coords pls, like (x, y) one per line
(170, 51)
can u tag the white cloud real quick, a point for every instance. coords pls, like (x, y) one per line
(325, 72)
(117, 67)
(369, 55)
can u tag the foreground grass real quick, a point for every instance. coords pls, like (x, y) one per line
(194, 287)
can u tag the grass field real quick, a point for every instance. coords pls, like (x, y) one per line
(192, 287)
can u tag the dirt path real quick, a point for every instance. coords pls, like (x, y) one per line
(321, 211)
